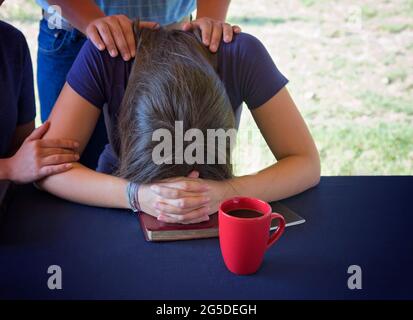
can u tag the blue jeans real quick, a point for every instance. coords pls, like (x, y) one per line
(58, 50)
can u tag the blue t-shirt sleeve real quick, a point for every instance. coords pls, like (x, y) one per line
(90, 74)
(26, 103)
(257, 75)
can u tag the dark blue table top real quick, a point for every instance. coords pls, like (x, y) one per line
(365, 221)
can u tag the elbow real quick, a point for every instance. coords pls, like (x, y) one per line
(39, 184)
(315, 181)
(315, 171)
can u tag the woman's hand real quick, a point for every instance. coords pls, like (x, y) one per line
(212, 31)
(37, 158)
(182, 199)
(115, 33)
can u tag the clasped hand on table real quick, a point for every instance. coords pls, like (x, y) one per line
(183, 199)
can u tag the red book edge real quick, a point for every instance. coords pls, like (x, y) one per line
(151, 224)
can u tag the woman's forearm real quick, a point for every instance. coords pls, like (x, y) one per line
(86, 186)
(289, 176)
(215, 9)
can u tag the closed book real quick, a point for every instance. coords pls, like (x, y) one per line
(155, 230)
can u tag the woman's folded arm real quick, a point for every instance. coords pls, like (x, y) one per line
(287, 136)
(73, 117)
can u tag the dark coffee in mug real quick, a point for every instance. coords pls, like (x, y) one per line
(244, 213)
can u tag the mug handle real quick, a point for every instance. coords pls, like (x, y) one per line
(277, 234)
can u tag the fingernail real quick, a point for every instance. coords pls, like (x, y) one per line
(154, 188)
(76, 144)
(207, 199)
(113, 53)
(68, 165)
(100, 47)
(126, 57)
(77, 156)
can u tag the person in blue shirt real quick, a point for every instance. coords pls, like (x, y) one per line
(107, 23)
(24, 156)
(175, 78)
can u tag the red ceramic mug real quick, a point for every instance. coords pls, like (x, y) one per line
(244, 240)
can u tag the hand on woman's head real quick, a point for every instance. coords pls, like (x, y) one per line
(212, 31)
(115, 34)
